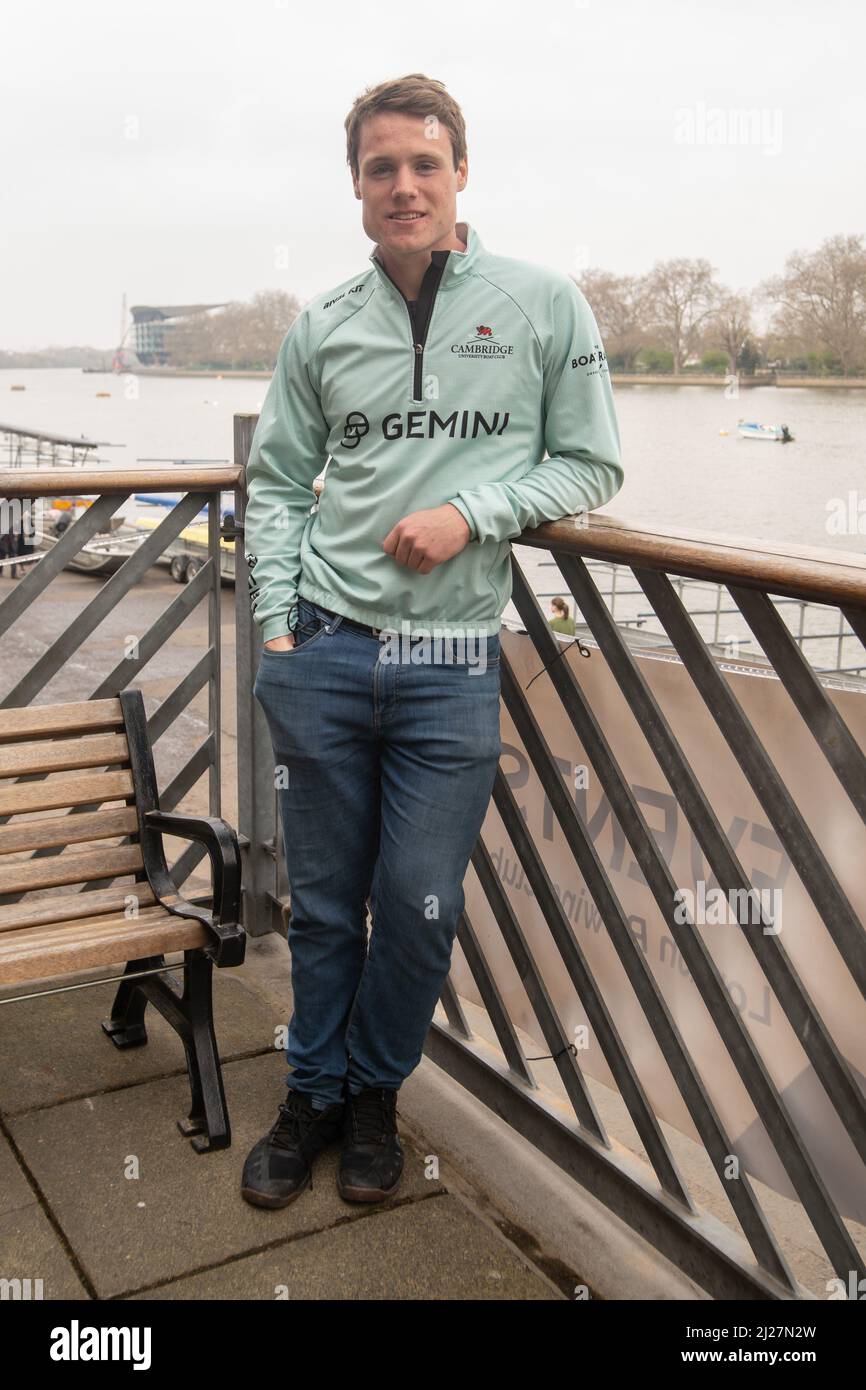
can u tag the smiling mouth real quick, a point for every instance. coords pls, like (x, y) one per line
(406, 216)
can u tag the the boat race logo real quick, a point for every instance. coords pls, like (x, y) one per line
(484, 344)
(592, 362)
(355, 428)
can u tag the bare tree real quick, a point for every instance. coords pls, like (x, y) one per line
(731, 325)
(821, 298)
(682, 294)
(619, 305)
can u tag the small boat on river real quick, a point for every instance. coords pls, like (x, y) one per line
(776, 434)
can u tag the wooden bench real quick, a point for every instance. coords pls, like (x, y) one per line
(69, 760)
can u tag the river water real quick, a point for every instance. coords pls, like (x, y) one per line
(679, 468)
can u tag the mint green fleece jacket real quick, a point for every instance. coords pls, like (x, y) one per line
(505, 409)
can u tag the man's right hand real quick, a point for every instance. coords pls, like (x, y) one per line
(280, 644)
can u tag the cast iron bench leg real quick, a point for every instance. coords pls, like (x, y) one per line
(126, 1027)
(208, 1115)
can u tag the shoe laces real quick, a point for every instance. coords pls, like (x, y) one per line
(372, 1112)
(293, 1123)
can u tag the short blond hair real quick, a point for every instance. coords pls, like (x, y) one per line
(414, 95)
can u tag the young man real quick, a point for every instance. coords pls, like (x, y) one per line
(433, 383)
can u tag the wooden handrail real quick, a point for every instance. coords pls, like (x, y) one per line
(796, 571)
(52, 482)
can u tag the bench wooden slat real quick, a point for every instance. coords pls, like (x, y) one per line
(68, 830)
(32, 911)
(56, 792)
(81, 929)
(30, 874)
(26, 956)
(54, 755)
(84, 716)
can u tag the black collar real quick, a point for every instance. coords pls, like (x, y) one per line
(421, 308)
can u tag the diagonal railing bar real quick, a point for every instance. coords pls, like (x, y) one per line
(680, 1064)
(769, 1105)
(492, 1000)
(102, 603)
(454, 1010)
(537, 993)
(714, 1256)
(587, 991)
(823, 719)
(176, 702)
(799, 843)
(183, 866)
(831, 1067)
(40, 575)
(189, 774)
(157, 634)
(856, 619)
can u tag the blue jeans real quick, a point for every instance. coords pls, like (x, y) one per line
(385, 768)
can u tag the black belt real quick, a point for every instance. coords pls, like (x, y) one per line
(350, 622)
(365, 627)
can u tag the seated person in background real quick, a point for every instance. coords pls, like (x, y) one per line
(561, 622)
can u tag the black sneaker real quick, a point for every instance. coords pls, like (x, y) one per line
(279, 1166)
(371, 1161)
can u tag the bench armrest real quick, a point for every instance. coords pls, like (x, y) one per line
(223, 850)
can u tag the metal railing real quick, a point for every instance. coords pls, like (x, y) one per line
(665, 1212)
(26, 448)
(838, 643)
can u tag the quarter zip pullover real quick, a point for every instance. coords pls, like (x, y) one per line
(494, 395)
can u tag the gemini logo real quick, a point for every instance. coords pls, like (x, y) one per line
(355, 428)
(426, 424)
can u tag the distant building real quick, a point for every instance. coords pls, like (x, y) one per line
(158, 329)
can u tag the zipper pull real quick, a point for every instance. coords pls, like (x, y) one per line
(418, 349)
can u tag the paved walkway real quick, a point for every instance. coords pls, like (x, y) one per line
(102, 1197)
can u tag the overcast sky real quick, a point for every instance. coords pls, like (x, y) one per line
(169, 149)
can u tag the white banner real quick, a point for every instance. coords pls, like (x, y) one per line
(832, 819)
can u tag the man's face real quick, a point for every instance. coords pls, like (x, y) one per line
(406, 165)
